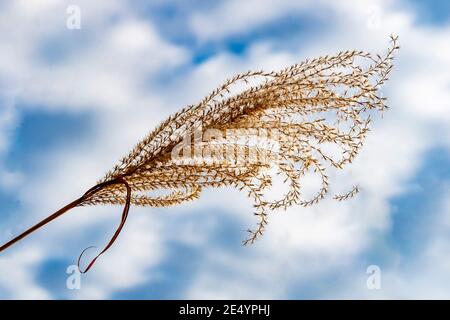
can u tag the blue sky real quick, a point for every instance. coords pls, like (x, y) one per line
(72, 102)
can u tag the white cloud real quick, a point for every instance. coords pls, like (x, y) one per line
(9, 180)
(106, 69)
(237, 17)
(18, 280)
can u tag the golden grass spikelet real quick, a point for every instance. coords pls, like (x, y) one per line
(350, 194)
(253, 123)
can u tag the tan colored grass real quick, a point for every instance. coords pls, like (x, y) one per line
(252, 123)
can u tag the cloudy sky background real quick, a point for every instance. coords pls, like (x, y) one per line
(72, 102)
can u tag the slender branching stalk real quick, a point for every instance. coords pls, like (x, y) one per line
(253, 124)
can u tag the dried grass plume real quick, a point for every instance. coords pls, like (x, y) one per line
(253, 123)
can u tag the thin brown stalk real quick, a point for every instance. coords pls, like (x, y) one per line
(283, 120)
